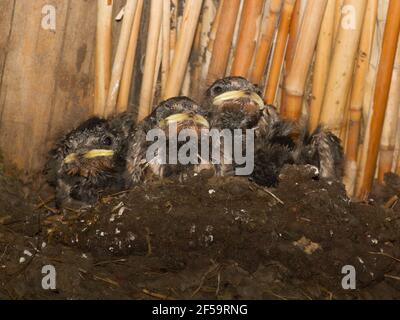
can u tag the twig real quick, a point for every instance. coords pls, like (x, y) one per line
(102, 263)
(385, 255)
(43, 203)
(392, 202)
(270, 193)
(148, 239)
(203, 278)
(106, 280)
(157, 295)
(392, 277)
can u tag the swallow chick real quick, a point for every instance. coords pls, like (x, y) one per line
(168, 120)
(235, 103)
(89, 161)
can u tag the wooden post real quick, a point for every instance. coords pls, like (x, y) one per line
(120, 57)
(388, 140)
(281, 41)
(321, 66)
(151, 59)
(223, 41)
(185, 40)
(342, 66)
(123, 96)
(296, 80)
(248, 33)
(265, 41)
(384, 78)
(103, 54)
(47, 79)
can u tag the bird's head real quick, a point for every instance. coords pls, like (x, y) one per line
(92, 149)
(182, 112)
(235, 103)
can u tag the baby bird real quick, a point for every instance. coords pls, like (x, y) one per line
(89, 160)
(235, 103)
(180, 113)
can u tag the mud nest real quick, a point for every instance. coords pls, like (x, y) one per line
(205, 238)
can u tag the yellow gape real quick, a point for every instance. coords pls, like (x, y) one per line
(232, 95)
(95, 153)
(181, 117)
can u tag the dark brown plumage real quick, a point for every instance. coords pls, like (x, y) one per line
(235, 103)
(89, 160)
(186, 115)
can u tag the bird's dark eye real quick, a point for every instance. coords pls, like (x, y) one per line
(217, 90)
(107, 141)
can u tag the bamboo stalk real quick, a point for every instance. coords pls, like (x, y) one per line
(357, 96)
(290, 50)
(338, 19)
(234, 39)
(342, 66)
(123, 96)
(396, 157)
(120, 57)
(157, 71)
(294, 31)
(149, 71)
(248, 32)
(296, 79)
(174, 27)
(388, 141)
(166, 49)
(103, 54)
(185, 40)
(369, 92)
(265, 41)
(384, 77)
(397, 163)
(211, 40)
(223, 41)
(195, 70)
(321, 67)
(280, 47)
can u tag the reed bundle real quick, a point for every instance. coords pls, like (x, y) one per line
(103, 55)
(123, 96)
(388, 141)
(331, 51)
(296, 79)
(321, 66)
(150, 63)
(279, 53)
(120, 57)
(265, 41)
(381, 96)
(357, 96)
(246, 44)
(342, 65)
(223, 40)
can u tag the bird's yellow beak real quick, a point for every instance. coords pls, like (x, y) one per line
(181, 117)
(70, 158)
(233, 95)
(95, 153)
